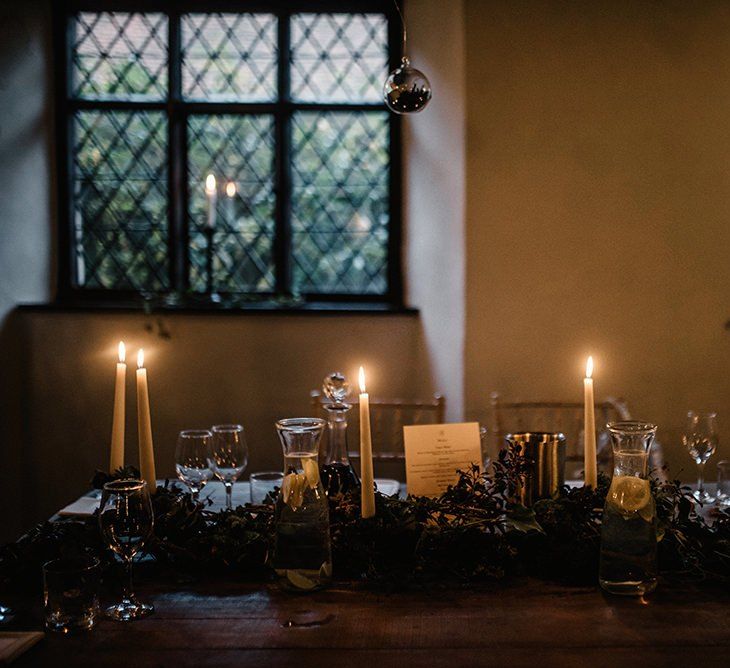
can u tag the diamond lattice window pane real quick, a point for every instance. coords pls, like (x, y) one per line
(237, 150)
(229, 57)
(340, 167)
(118, 55)
(339, 57)
(120, 200)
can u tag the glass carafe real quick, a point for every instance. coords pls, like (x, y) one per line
(628, 562)
(337, 473)
(302, 556)
(338, 476)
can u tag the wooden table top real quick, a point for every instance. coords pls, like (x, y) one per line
(526, 623)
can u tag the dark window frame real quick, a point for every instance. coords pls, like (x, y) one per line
(177, 111)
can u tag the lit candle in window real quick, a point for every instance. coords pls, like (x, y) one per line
(366, 453)
(211, 194)
(144, 427)
(116, 459)
(230, 194)
(589, 428)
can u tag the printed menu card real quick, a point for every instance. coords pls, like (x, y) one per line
(434, 452)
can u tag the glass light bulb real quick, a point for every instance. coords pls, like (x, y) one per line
(406, 90)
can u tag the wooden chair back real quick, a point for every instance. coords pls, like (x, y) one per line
(387, 419)
(556, 416)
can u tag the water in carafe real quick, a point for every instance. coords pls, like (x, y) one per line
(628, 560)
(302, 554)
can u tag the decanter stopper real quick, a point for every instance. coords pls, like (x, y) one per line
(335, 387)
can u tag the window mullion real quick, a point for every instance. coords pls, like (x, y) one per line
(282, 236)
(177, 167)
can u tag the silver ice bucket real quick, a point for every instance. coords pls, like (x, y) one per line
(545, 455)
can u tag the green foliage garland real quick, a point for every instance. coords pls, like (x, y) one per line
(473, 532)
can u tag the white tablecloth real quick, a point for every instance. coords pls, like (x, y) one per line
(214, 491)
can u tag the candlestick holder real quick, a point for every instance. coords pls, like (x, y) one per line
(210, 291)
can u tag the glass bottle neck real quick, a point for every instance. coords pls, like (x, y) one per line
(631, 443)
(337, 434)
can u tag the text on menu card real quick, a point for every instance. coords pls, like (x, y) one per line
(434, 453)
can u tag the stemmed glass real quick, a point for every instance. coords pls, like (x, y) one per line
(229, 456)
(192, 459)
(126, 521)
(701, 438)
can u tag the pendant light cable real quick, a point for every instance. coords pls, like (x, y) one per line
(403, 23)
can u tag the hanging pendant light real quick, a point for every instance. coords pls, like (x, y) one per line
(406, 90)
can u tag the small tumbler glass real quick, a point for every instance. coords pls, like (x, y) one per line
(71, 594)
(723, 483)
(262, 484)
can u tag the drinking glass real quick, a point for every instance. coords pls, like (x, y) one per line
(126, 521)
(701, 438)
(229, 456)
(723, 483)
(192, 458)
(71, 594)
(262, 484)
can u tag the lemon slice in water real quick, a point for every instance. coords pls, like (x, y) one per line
(311, 472)
(299, 485)
(629, 493)
(300, 581)
(286, 486)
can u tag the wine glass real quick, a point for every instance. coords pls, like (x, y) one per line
(229, 456)
(192, 459)
(126, 521)
(5, 613)
(701, 438)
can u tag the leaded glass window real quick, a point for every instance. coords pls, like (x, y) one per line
(282, 104)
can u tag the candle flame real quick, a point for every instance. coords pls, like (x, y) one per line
(210, 185)
(589, 367)
(140, 358)
(361, 378)
(231, 189)
(122, 352)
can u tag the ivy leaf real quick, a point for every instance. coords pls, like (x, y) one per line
(520, 518)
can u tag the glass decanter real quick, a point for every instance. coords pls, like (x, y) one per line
(338, 475)
(302, 555)
(628, 563)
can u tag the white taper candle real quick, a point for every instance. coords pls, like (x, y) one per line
(211, 194)
(144, 427)
(116, 457)
(366, 453)
(589, 428)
